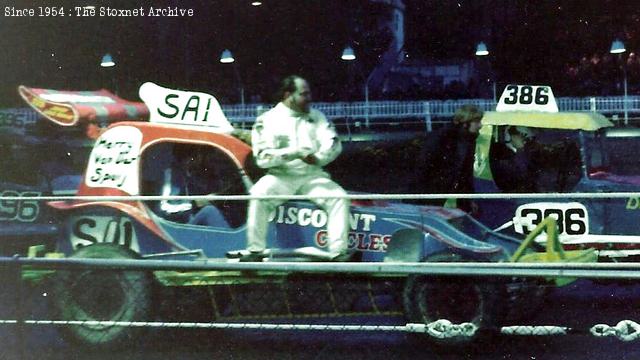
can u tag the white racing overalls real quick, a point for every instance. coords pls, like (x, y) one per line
(280, 138)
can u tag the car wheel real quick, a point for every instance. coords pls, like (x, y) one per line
(102, 295)
(427, 299)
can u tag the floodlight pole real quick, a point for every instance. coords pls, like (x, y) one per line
(483, 51)
(349, 55)
(626, 109)
(366, 100)
(109, 70)
(624, 87)
(227, 58)
(494, 90)
(240, 86)
(617, 47)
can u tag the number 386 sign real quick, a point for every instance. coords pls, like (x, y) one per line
(572, 218)
(527, 98)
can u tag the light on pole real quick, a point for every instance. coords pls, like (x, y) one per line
(617, 47)
(349, 55)
(227, 58)
(107, 61)
(481, 51)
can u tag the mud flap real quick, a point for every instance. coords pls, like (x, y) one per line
(406, 246)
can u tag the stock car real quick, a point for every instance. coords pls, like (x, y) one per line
(583, 153)
(135, 158)
(34, 164)
(44, 158)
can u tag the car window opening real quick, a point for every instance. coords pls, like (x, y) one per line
(526, 160)
(193, 169)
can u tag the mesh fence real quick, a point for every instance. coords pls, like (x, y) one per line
(100, 307)
(103, 297)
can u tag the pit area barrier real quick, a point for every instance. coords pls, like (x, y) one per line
(625, 330)
(309, 290)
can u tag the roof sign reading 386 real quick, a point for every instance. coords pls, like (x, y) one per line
(527, 98)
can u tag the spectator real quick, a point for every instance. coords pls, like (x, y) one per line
(448, 159)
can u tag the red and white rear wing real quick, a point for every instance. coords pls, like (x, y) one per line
(70, 108)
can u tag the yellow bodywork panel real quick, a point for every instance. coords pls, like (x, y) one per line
(588, 121)
(554, 251)
(481, 168)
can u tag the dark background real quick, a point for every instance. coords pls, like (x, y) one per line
(560, 43)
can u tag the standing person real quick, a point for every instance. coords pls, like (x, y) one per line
(293, 142)
(448, 159)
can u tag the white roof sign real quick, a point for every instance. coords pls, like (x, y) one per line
(527, 98)
(183, 107)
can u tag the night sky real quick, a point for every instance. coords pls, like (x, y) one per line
(530, 42)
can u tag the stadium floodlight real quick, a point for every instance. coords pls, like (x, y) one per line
(107, 61)
(481, 49)
(617, 47)
(348, 54)
(226, 57)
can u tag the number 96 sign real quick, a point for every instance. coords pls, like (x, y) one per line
(19, 210)
(572, 218)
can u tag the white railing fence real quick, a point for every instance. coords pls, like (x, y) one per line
(427, 110)
(394, 112)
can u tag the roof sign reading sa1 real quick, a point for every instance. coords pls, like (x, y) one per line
(183, 108)
(527, 98)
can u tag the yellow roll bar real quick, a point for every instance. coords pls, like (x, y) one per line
(554, 251)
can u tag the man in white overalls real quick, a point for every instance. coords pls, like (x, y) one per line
(293, 142)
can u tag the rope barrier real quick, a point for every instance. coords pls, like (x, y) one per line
(625, 330)
(443, 329)
(450, 330)
(526, 330)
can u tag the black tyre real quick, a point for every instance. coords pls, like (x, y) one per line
(458, 299)
(102, 295)
(523, 299)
